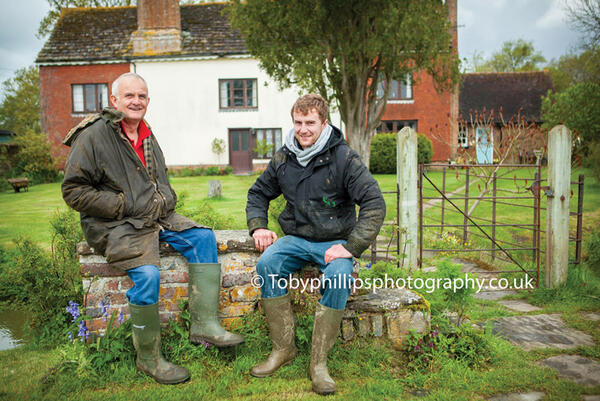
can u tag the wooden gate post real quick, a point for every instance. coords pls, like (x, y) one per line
(406, 174)
(557, 205)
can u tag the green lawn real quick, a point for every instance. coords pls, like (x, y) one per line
(28, 213)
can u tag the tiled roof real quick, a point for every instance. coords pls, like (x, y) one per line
(104, 33)
(507, 91)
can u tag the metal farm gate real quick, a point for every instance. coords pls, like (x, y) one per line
(490, 212)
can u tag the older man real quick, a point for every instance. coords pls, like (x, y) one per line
(322, 180)
(116, 178)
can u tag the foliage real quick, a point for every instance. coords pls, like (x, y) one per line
(44, 281)
(344, 50)
(592, 247)
(424, 149)
(200, 171)
(584, 16)
(204, 213)
(470, 347)
(218, 147)
(519, 55)
(35, 157)
(263, 149)
(456, 299)
(384, 151)
(571, 69)
(276, 207)
(594, 158)
(576, 107)
(20, 108)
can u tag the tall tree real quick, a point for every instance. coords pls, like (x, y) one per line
(20, 109)
(344, 49)
(571, 69)
(519, 55)
(584, 16)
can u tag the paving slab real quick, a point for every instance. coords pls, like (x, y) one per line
(594, 316)
(518, 305)
(591, 398)
(581, 370)
(540, 331)
(533, 396)
(494, 295)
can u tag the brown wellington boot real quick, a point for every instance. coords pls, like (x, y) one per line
(325, 331)
(146, 340)
(204, 286)
(282, 332)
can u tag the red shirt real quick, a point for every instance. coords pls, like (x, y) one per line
(143, 133)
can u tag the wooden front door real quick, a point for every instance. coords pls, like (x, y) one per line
(240, 154)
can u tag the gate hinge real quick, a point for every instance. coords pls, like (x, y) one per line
(548, 191)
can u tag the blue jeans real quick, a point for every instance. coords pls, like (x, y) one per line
(290, 253)
(197, 245)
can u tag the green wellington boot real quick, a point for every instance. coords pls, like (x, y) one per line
(204, 285)
(146, 340)
(325, 331)
(282, 332)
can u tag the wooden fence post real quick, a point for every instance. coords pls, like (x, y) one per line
(406, 173)
(557, 205)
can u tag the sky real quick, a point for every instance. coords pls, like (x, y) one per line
(483, 25)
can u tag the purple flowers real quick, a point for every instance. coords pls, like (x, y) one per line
(205, 344)
(121, 318)
(70, 335)
(368, 265)
(104, 308)
(84, 333)
(73, 309)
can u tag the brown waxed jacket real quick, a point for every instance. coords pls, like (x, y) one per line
(122, 208)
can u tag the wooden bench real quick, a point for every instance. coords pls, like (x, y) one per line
(18, 183)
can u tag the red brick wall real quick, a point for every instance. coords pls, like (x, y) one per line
(432, 112)
(55, 90)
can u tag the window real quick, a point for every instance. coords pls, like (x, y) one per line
(89, 98)
(463, 138)
(396, 125)
(237, 94)
(399, 90)
(268, 140)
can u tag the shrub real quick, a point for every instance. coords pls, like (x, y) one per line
(424, 149)
(384, 149)
(212, 170)
(592, 245)
(35, 158)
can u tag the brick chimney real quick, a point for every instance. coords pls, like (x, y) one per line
(159, 27)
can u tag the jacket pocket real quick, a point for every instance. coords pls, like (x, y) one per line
(123, 243)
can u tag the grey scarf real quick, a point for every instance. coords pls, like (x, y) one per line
(304, 156)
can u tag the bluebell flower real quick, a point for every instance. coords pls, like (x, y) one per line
(84, 333)
(368, 265)
(104, 308)
(121, 318)
(73, 309)
(70, 335)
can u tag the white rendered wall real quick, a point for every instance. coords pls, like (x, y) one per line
(184, 106)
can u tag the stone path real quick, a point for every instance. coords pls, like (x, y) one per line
(581, 370)
(519, 306)
(540, 331)
(533, 396)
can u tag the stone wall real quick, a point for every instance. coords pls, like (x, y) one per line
(389, 313)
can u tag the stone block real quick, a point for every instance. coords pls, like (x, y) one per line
(364, 325)
(347, 330)
(174, 277)
(246, 293)
(386, 300)
(236, 309)
(399, 323)
(237, 279)
(377, 325)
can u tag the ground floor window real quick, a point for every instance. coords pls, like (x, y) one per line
(268, 140)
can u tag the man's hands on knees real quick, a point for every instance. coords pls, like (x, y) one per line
(263, 238)
(336, 251)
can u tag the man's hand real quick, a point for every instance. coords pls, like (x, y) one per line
(336, 251)
(263, 238)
